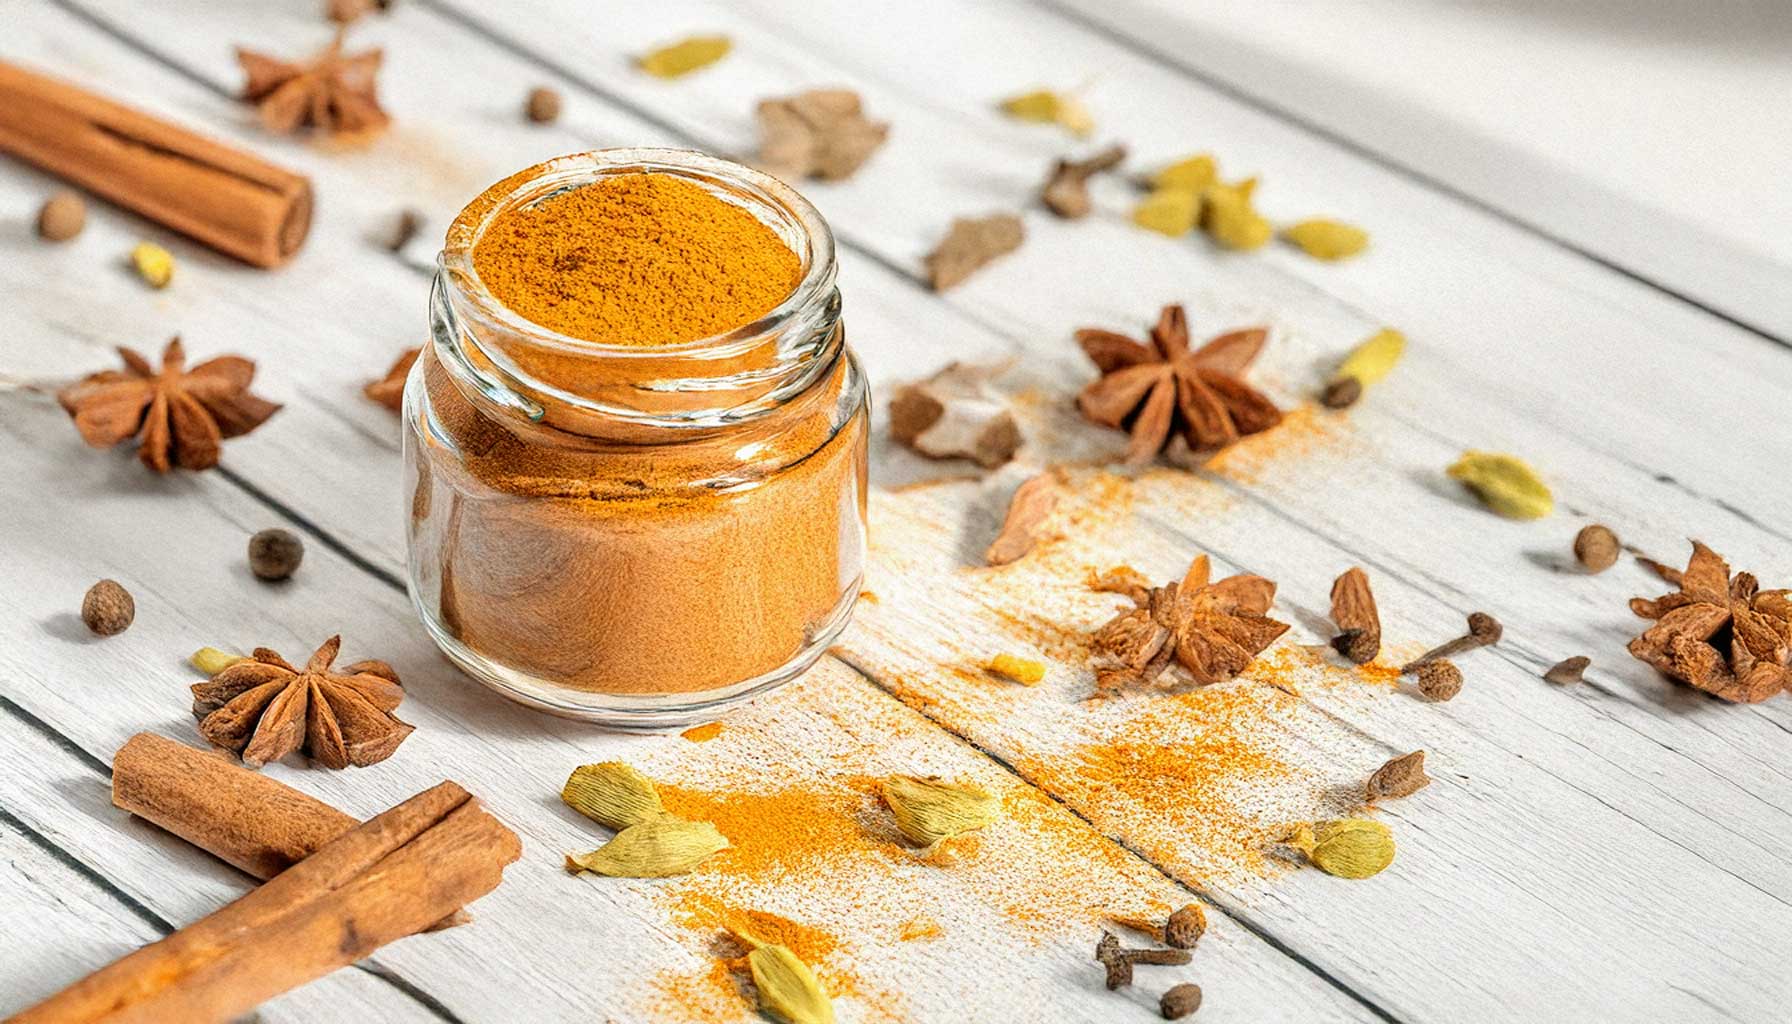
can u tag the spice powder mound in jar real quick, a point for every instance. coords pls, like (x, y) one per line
(637, 440)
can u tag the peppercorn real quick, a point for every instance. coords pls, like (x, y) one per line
(1596, 547)
(275, 554)
(543, 106)
(1185, 926)
(1180, 1001)
(108, 608)
(62, 217)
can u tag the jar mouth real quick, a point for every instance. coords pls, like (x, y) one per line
(793, 218)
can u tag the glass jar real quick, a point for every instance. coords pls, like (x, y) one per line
(636, 535)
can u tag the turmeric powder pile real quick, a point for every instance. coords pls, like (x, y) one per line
(637, 259)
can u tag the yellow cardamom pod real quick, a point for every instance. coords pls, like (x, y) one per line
(1325, 239)
(1371, 360)
(1022, 670)
(685, 56)
(1504, 483)
(612, 794)
(1347, 847)
(1190, 174)
(1168, 211)
(931, 810)
(1229, 218)
(212, 661)
(154, 264)
(787, 988)
(653, 849)
(1047, 107)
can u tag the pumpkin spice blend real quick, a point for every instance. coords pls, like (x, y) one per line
(568, 552)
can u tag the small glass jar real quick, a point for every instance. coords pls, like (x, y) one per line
(636, 535)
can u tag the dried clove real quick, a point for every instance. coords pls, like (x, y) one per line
(1483, 629)
(1439, 679)
(1066, 189)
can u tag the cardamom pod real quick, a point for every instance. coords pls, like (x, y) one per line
(1325, 239)
(1190, 174)
(787, 988)
(653, 849)
(212, 661)
(1347, 847)
(1373, 358)
(1504, 483)
(612, 794)
(1229, 218)
(154, 264)
(1168, 211)
(1025, 671)
(685, 56)
(931, 810)
(1047, 107)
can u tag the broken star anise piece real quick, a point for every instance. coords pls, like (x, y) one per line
(1164, 389)
(180, 417)
(332, 91)
(1213, 630)
(1720, 633)
(389, 390)
(264, 709)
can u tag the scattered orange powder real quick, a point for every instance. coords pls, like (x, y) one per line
(1304, 430)
(920, 927)
(702, 733)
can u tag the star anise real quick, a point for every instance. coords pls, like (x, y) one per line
(1719, 633)
(1212, 629)
(389, 390)
(332, 91)
(1162, 390)
(264, 709)
(180, 417)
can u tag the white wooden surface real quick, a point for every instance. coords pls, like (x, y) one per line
(1617, 851)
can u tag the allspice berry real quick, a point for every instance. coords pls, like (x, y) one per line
(543, 106)
(1439, 679)
(1596, 547)
(62, 217)
(108, 608)
(1185, 926)
(275, 554)
(1180, 1001)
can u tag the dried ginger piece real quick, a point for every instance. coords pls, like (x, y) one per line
(1027, 511)
(822, 133)
(954, 414)
(972, 244)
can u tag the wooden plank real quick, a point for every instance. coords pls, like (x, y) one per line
(1602, 170)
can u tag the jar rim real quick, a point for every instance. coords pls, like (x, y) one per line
(816, 251)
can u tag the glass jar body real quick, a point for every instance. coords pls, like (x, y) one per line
(642, 563)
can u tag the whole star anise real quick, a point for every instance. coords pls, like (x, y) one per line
(1719, 633)
(1162, 390)
(264, 709)
(180, 417)
(332, 91)
(1212, 629)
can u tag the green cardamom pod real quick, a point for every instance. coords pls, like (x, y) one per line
(212, 661)
(1326, 239)
(612, 794)
(788, 990)
(1371, 360)
(929, 810)
(653, 849)
(1347, 847)
(1504, 483)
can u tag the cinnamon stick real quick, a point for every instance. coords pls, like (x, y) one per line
(228, 199)
(241, 817)
(382, 880)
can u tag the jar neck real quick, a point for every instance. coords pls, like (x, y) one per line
(517, 370)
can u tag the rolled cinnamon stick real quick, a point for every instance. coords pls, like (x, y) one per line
(241, 817)
(380, 881)
(233, 201)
